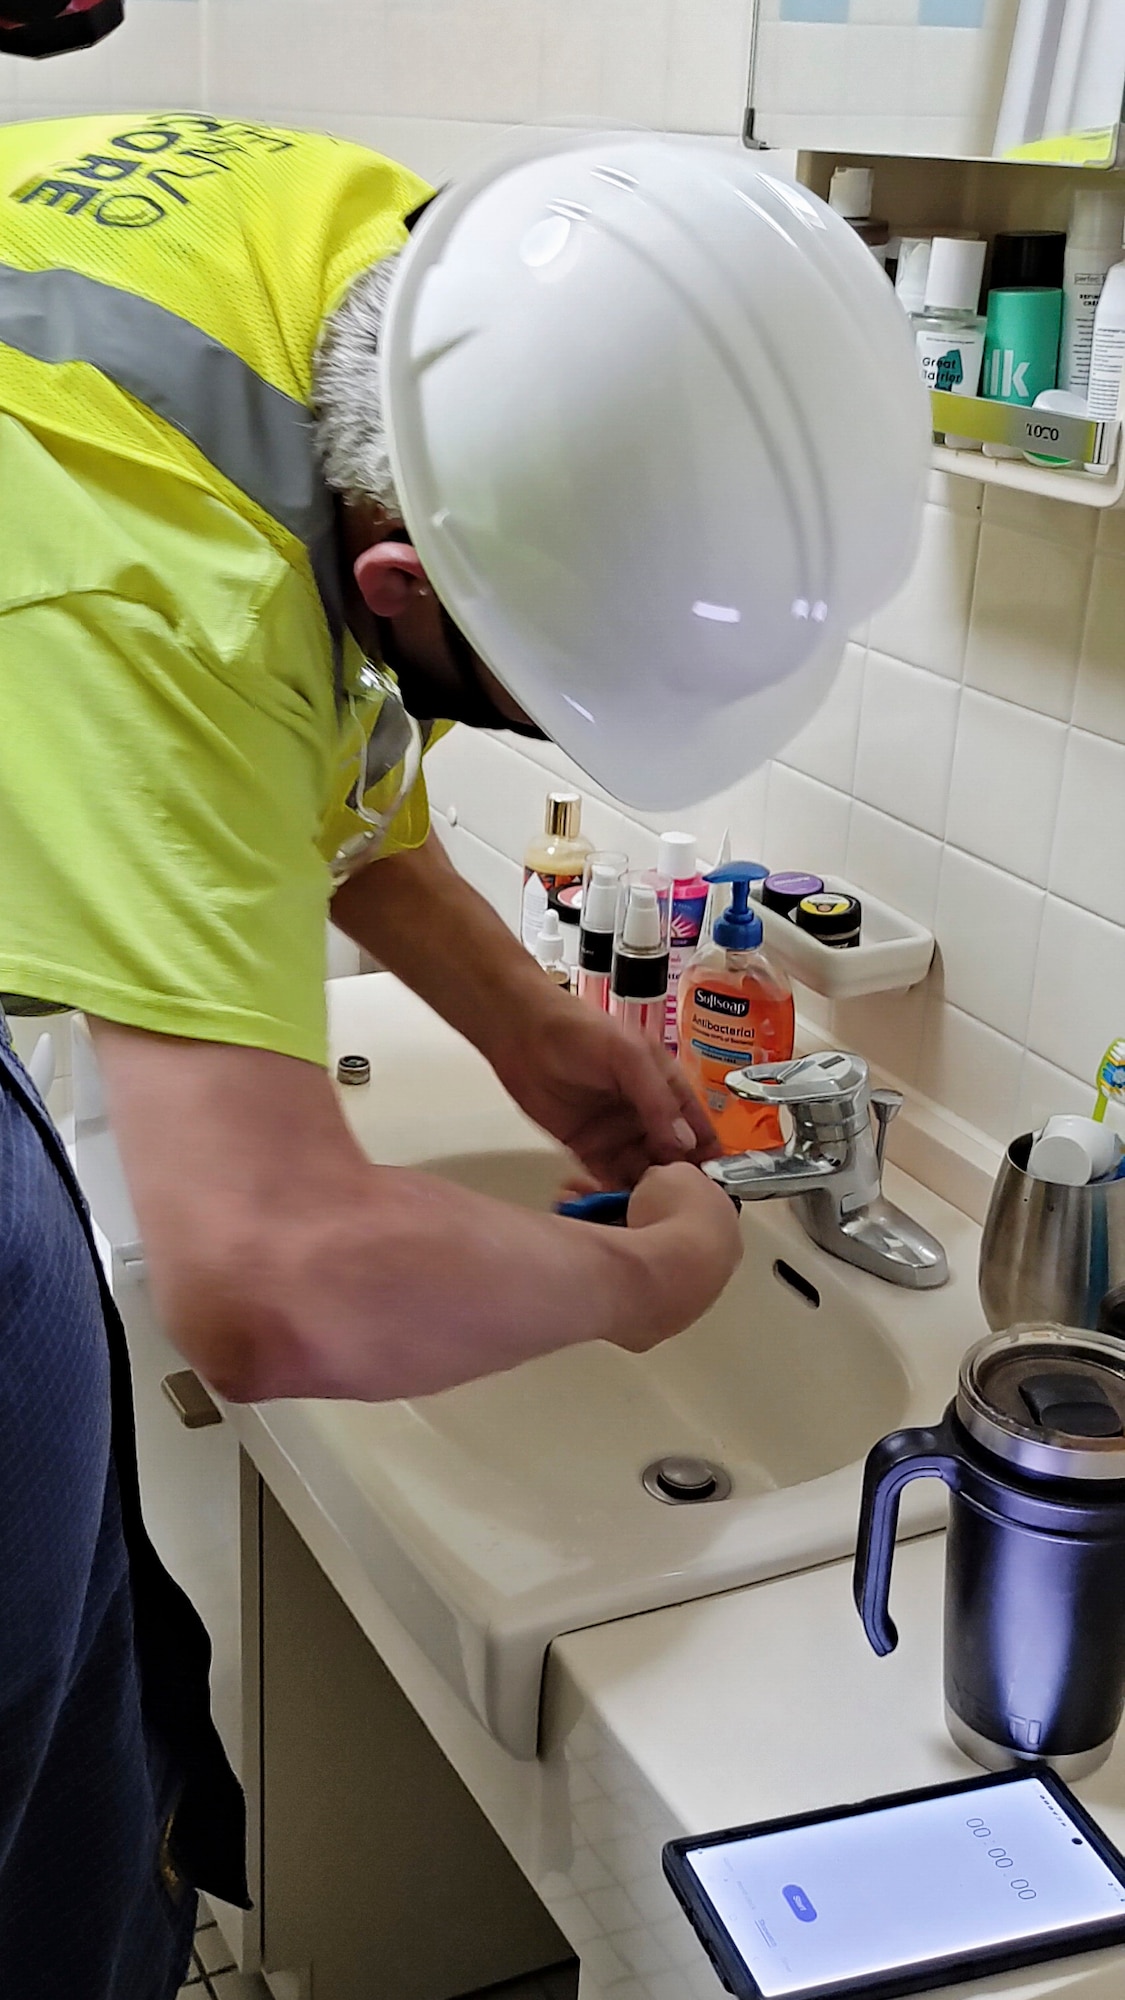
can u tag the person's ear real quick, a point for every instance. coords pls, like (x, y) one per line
(387, 575)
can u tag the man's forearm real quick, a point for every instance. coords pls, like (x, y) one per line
(285, 1264)
(420, 918)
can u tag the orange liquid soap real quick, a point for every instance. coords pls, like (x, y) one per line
(734, 1010)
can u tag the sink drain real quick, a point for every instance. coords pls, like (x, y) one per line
(685, 1482)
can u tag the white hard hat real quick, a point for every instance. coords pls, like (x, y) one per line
(659, 439)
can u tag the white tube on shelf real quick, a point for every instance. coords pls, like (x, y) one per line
(1093, 246)
(1068, 67)
(1107, 361)
(1089, 80)
(1066, 71)
(1031, 64)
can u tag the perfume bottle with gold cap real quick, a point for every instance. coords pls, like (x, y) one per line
(554, 860)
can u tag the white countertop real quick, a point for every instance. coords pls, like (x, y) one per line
(769, 1701)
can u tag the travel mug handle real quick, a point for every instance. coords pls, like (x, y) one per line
(891, 1465)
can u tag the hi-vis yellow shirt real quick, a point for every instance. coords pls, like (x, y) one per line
(173, 768)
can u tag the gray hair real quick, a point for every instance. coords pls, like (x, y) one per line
(349, 429)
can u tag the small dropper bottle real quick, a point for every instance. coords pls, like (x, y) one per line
(549, 950)
(638, 986)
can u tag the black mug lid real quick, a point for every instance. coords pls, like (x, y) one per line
(1049, 1399)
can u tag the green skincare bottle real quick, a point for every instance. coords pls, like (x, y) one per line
(1025, 305)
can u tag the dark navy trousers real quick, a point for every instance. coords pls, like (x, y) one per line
(116, 1801)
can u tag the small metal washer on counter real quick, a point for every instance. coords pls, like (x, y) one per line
(353, 1069)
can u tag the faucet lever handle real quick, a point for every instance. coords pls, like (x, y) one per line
(823, 1078)
(886, 1104)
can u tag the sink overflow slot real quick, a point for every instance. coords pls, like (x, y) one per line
(786, 1275)
(685, 1482)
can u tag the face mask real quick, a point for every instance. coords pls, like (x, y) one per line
(51, 27)
(454, 693)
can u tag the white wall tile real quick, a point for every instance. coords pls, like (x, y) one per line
(741, 812)
(491, 874)
(635, 39)
(79, 81)
(570, 63)
(10, 71)
(1099, 700)
(987, 925)
(439, 149)
(806, 824)
(238, 83)
(1079, 994)
(884, 1027)
(156, 56)
(907, 730)
(494, 793)
(971, 1069)
(490, 53)
(927, 623)
(825, 748)
(1033, 514)
(1046, 1091)
(1088, 863)
(949, 489)
(1004, 793)
(709, 65)
(894, 861)
(1111, 531)
(1028, 617)
(417, 71)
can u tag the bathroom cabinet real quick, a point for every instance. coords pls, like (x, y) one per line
(957, 79)
(379, 1871)
(982, 197)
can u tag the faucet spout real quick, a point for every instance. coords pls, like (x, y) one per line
(782, 1171)
(832, 1167)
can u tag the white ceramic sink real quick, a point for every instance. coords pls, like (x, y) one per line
(496, 1516)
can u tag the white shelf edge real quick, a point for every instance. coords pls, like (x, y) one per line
(1081, 489)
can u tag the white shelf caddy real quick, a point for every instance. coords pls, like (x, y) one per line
(894, 952)
(1077, 438)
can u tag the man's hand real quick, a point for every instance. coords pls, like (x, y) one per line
(696, 1228)
(620, 1104)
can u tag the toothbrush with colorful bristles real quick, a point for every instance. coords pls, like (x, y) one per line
(1110, 1079)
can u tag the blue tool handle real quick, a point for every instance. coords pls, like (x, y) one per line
(608, 1208)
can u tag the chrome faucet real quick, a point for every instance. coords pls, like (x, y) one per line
(832, 1166)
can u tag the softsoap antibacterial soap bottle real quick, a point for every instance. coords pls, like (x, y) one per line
(735, 1008)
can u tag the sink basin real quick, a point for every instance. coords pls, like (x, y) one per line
(782, 1381)
(498, 1515)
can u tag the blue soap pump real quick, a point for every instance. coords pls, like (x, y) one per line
(739, 928)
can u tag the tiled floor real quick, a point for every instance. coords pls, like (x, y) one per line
(213, 1975)
(560, 1983)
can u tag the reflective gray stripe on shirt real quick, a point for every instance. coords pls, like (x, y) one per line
(255, 435)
